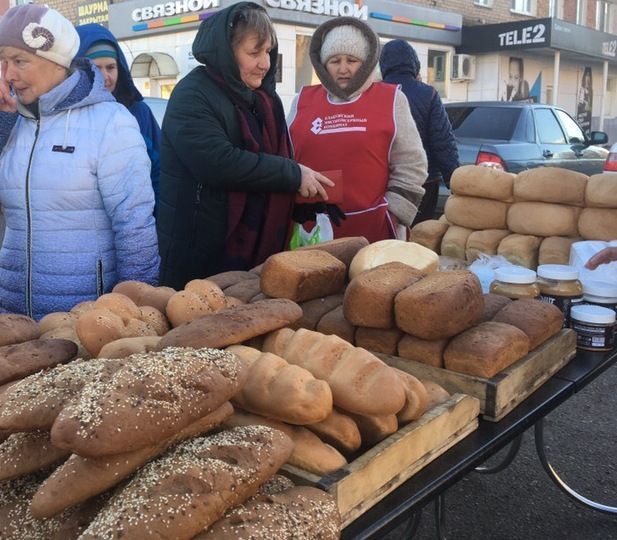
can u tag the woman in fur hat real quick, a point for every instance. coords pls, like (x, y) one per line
(362, 128)
(74, 173)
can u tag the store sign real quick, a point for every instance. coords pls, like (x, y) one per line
(332, 8)
(169, 9)
(609, 48)
(523, 36)
(93, 12)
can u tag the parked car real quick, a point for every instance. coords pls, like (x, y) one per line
(514, 136)
(611, 160)
(157, 106)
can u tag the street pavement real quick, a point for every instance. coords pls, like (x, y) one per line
(521, 502)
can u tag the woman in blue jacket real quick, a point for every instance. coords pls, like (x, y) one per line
(99, 45)
(74, 173)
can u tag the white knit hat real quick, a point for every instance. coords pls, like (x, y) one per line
(345, 39)
(40, 30)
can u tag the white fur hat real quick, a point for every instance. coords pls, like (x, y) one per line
(40, 30)
(344, 39)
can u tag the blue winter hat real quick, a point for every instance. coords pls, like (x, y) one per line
(102, 49)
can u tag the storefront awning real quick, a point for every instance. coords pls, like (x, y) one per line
(154, 65)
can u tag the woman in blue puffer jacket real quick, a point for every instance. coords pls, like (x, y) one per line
(74, 173)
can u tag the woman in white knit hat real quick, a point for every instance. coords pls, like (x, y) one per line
(74, 173)
(362, 129)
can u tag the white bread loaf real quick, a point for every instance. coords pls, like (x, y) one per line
(551, 185)
(360, 382)
(374, 429)
(436, 394)
(416, 398)
(454, 242)
(339, 431)
(440, 306)
(484, 242)
(598, 224)
(520, 249)
(476, 213)
(601, 191)
(279, 390)
(482, 181)
(555, 250)
(385, 251)
(429, 233)
(543, 219)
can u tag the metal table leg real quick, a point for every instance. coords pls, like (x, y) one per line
(440, 516)
(515, 446)
(412, 525)
(584, 501)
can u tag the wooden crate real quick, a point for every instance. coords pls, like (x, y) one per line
(374, 474)
(503, 392)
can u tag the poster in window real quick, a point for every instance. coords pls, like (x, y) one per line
(516, 86)
(584, 102)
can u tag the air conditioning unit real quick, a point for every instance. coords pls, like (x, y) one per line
(463, 67)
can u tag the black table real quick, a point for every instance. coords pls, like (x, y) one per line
(433, 480)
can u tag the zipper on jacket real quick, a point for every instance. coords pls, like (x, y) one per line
(29, 226)
(100, 285)
(197, 204)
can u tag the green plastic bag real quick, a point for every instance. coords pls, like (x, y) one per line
(321, 232)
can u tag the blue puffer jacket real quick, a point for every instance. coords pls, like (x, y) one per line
(400, 65)
(76, 192)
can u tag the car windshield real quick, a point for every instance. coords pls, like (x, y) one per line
(496, 123)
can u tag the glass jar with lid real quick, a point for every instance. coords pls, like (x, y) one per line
(594, 326)
(560, 286)
(515, 282)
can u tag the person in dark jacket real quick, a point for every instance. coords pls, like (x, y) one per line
(99, 45)
(399, 64)
(228, 181)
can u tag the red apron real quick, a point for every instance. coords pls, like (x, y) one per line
(354, 137)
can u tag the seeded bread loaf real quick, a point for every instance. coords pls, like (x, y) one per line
(198, 298)
(121, 348)
(144, 294)
(17, 329)
(57, 319)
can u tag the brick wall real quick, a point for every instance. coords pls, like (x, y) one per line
(68, 8)
(474, 14)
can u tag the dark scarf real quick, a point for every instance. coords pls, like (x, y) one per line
(257, 222)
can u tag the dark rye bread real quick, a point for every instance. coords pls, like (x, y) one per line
(27, 452)
(369, 297)
(486, 349)
(344, 249)
(188, 489)
(440, 305)
(22, 359)
(227, 279)
(301, 513)
(152, 397)
(302, 275)
(492, 305)
(539, 320)
(80, 478)
(244, 290)
(233, 325)
(378, 340)
(426, 351)
(35, 402)
(17, 329)
(314, 310)
(334, 323)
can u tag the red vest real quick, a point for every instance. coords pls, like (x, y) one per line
(354, 137)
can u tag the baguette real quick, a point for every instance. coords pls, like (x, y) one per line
(436, 394)
(416, 398)
(187, 490)
(338, 430)
(375, 428)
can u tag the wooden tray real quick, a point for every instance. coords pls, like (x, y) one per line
(503, 392)
(374, 474)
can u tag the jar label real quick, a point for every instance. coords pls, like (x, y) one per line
(591, 336)
(564, 303)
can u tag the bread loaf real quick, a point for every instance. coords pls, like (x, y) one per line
(360, 382)
(302, 275)
(154, 319)
(227, 279)
(69, 333)
(339, 431)
(82, 307)
(18, 361)
(476, 213)
(302, 513)
(245, 290)
(374, 429)
(601, 191)
(58, 319)
(429, 233)
(440, 305)
(543, 219)
(551, 185)
(520, 249)
(378, 340)
(144, 294)
(598, 224)
(314, 310)
(484, 242)
(486, 349)
(191, 487)
(416, 398)
(17, 329)
(309, 452)
(555, 250)
(386, 251)
(279, 390)
(481, 181)
(335, 323)
(492, 304)
(80, 478)
(35, 401)
(454, 242)
(233, 325)
(152, 397)
(537, 319)
(436, 394)
(199, 297)
(369, 297)
(344, 249)
(428, 352)
(121, 348)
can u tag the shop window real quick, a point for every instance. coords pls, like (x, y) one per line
(555, 9)
(305, 75)
(522, 6)
(483, 3)
(437, 71)
(606, 16)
